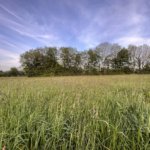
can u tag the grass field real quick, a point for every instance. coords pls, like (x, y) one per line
(79, 113)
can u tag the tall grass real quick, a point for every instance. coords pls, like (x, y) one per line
(96, 113)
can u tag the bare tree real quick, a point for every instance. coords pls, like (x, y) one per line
(84, 60)
(133, 52)
(115, 49)
(103, 50)
(142, 56)
(145, 54)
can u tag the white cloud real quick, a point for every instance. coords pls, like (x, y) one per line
(112, 21)
(6, 65)
(10, 12)
(34, 35)
(5, 53)
(8, 59)
(133, 40)
(8, 43)
(28, 26)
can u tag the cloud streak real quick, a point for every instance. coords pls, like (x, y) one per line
(10, 12)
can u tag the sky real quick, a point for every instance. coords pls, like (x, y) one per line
(82, 24)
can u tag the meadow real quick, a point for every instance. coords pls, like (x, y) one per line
(75, 113)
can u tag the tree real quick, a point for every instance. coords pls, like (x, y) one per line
(103, 50)
(115, 49)
(13, 71)
(147, 68)
(123, 58)
(142, 56)
(114, 62)
(132, 50)
(77, 61)
(92, 58)
(39, 61)
(145, 54)
(139, 57)
(51, 56)
(105, 58)
(26, 60)
(66, 56)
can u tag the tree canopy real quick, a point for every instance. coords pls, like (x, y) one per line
(105, 58)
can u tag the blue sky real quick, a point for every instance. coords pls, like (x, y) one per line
(27, 24)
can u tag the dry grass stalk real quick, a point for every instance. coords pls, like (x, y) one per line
(4, 148)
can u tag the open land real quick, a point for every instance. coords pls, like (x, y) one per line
(82, 112)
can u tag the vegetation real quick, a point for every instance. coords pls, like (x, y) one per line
(106, 58)
(90, 112)
(12, 72)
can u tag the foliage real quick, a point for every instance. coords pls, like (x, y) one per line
(13, 71)
(122, 58)
(106, 58)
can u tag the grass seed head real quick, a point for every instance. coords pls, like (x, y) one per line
(96, 115)
(94, 111)
(4, 148)
(73, 105)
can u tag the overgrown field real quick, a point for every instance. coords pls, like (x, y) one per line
(75, 113)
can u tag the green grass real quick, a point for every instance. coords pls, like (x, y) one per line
(79, 113)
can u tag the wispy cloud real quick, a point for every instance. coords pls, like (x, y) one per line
(112, 20)
(82, 24)
(8, 59)
(6, 65)
(133, 40)
(27, 26)
(10, 12)
(8, 54)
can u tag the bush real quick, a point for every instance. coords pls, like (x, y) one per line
(127, 70)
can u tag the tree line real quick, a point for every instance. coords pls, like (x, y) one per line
(12, 72)
(106, 58)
